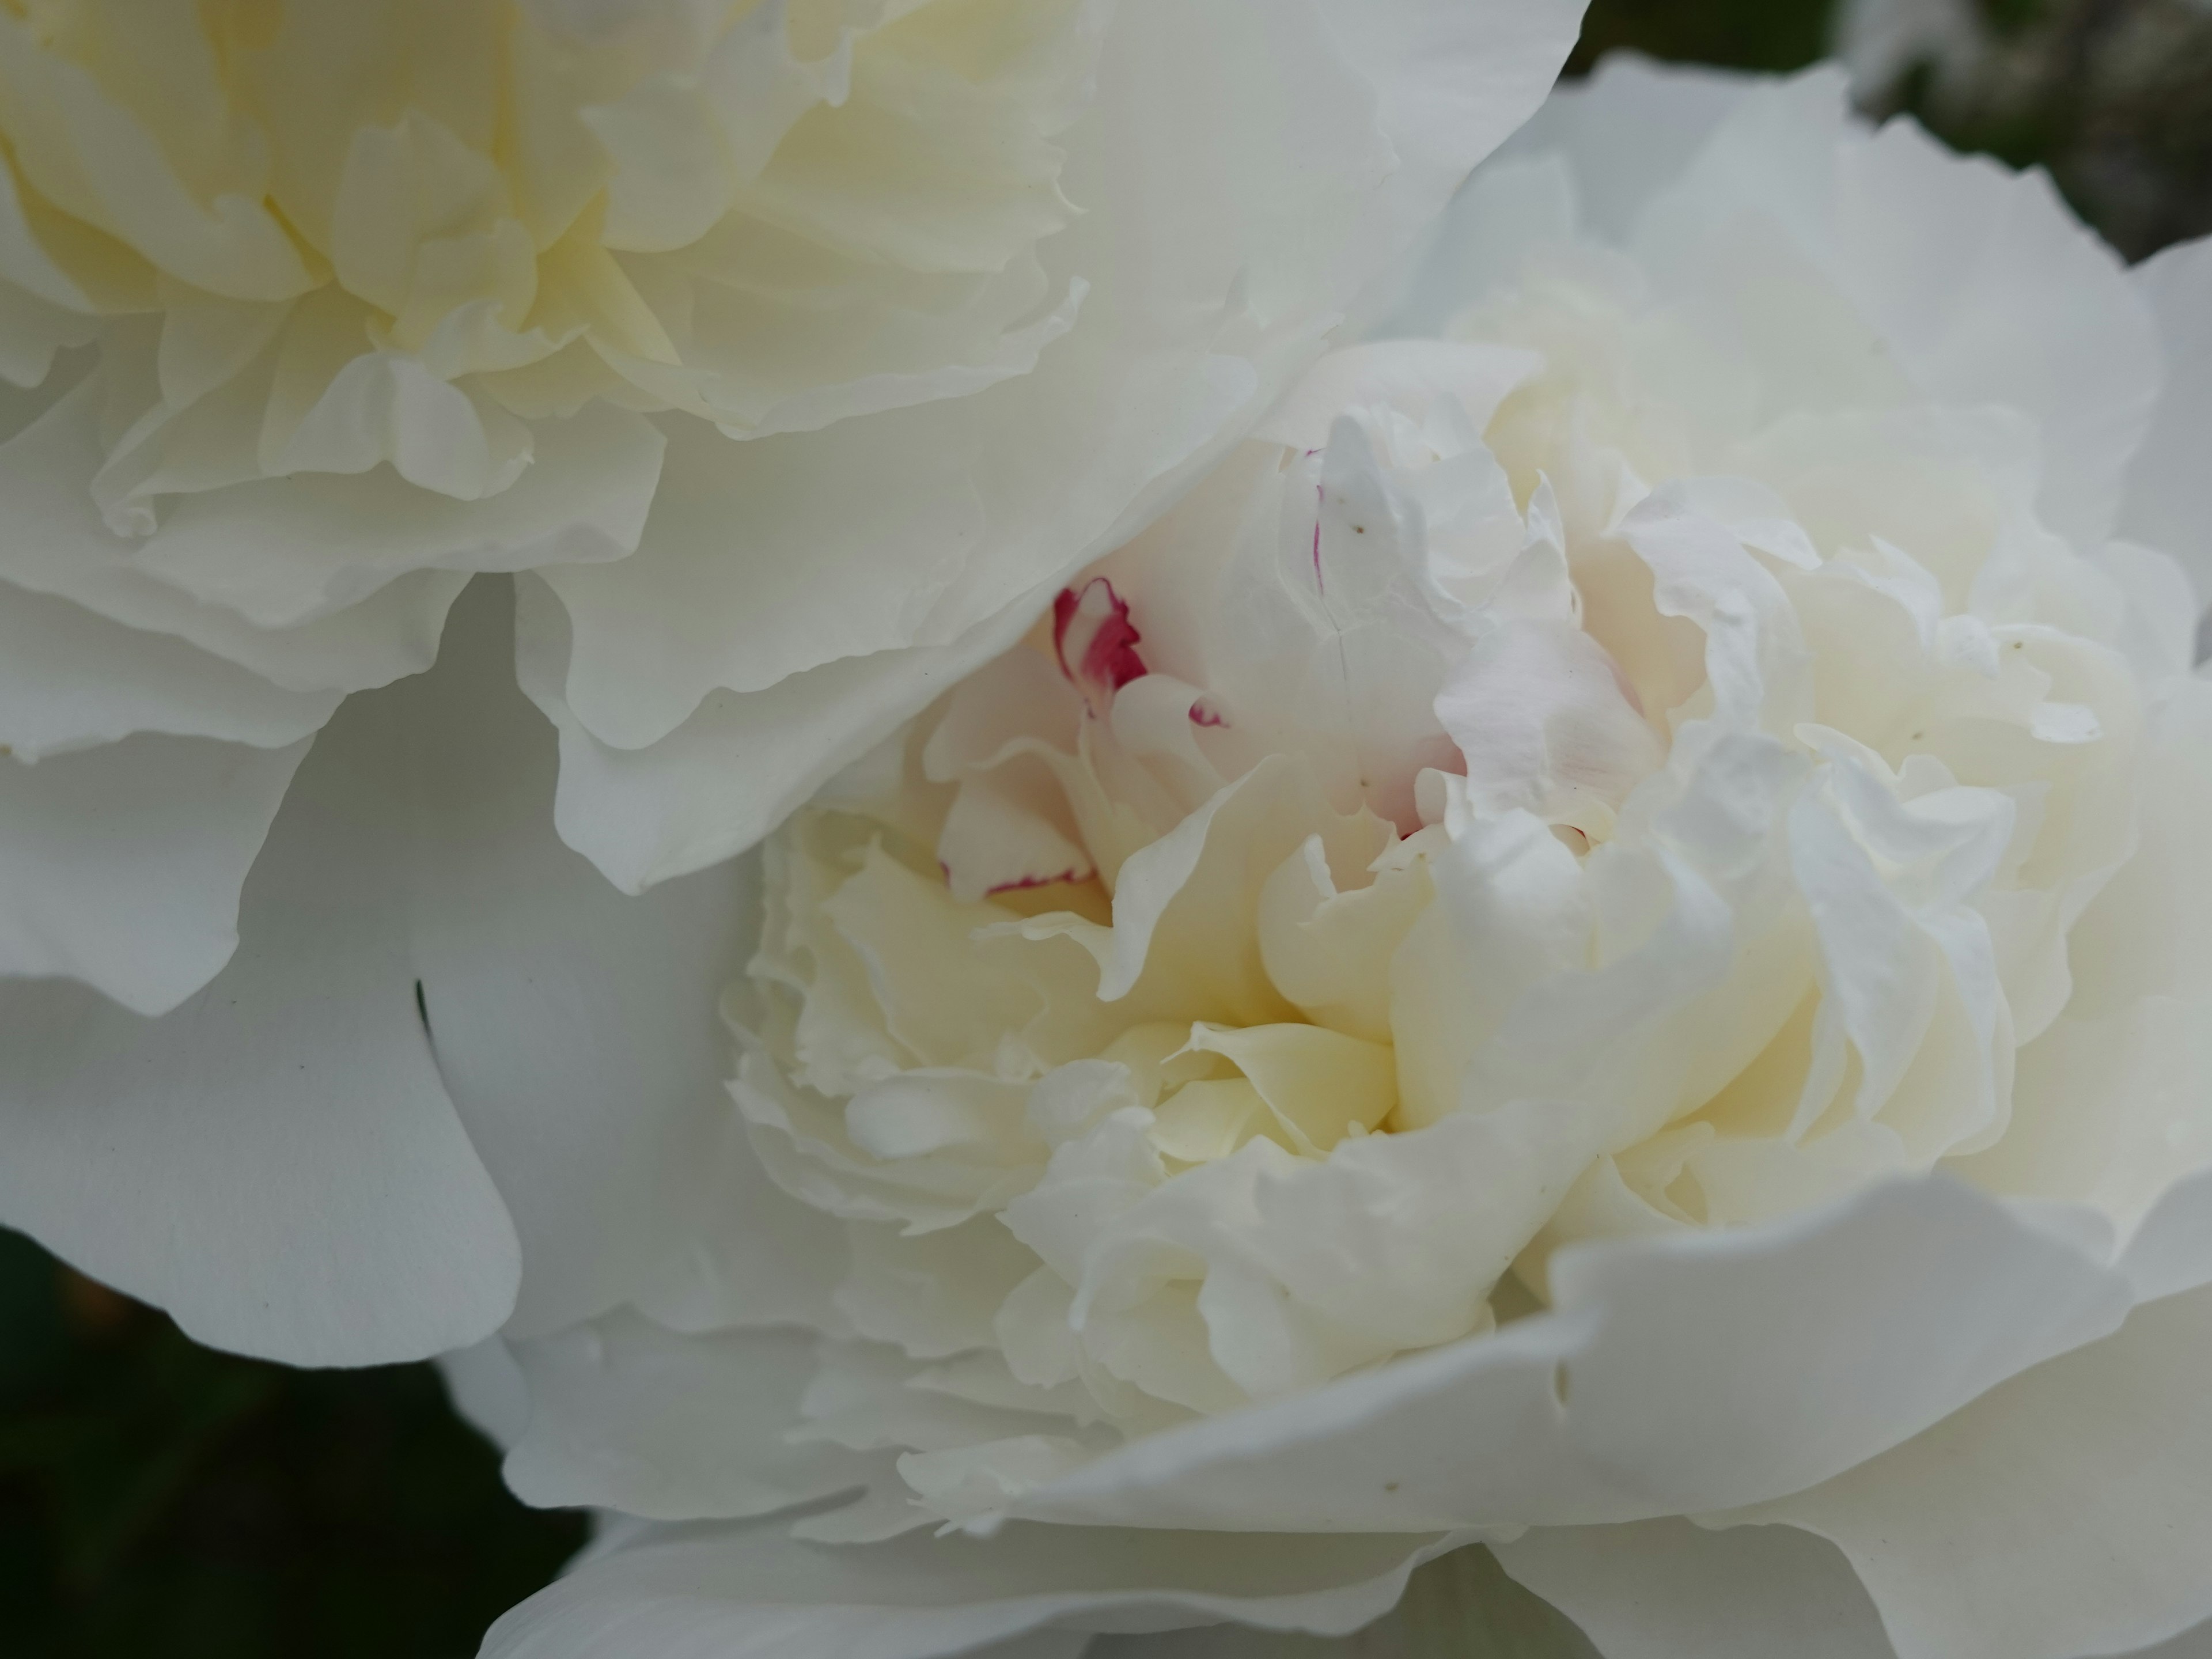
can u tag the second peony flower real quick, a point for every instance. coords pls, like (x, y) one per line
(1605, 923)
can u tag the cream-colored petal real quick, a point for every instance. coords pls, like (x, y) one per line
(1953, 1531)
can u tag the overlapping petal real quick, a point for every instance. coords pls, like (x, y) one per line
(441, 1029)
(276, 1161)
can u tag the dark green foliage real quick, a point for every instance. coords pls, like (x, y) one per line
(1752, 35)
(2113, 96)
(160, 1501)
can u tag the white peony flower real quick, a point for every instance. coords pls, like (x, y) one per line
(794, 351)
(1598, 944)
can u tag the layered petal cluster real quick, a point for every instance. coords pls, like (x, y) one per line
(790, 342)
(1605, 924)
(791, 353)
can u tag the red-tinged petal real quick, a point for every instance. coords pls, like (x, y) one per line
(1095, 643)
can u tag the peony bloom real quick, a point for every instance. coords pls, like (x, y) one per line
(1597, 943)
(791, 351)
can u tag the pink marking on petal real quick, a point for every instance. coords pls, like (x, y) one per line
(1203, 713)
(1096, 643)
(1027, 883)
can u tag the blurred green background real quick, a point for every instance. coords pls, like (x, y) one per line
(160, 1501)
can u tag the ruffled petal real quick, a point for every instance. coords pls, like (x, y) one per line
(147, 908)
(736, 767)
(2052, 328)
(762, 560)
(71, 679)
(1670, 1369)
(275, 1162)
(756, 1591)
(2108, 1106)
(283, 551)
(52, 542)
(1547, 723)
(1953, 1532)
(1905, 229)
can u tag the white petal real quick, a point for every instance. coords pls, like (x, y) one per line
(2063, 1513)
(576, 1028)
(2189, 1644)
(1512, 209)
(2159, 636)
(826, 574)
(2109, 1106)
(1330, 952)
(1628, 131)
(736, 767)
(1906, 230)
(1454, 80)
(1460, 1606)
(32, 331)
(487, 1389)
(754, 1256)
(1408, 376)
(2164, 506)
(70, 678)
(755, 1593)
(867, 1396)
(1310, 1268)
(52, 541)
(994, 841)
(933, 1294)
(1667, 1589)
(1185, 907)
(283, 551)
(123, 863)
(2051, 328)
(2172, 1250)
(761, 559)
(1670, 1367)
(624, 1414)
(1544, 718)
(275, 1162)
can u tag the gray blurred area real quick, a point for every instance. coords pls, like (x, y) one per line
(2113, 96)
